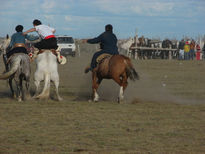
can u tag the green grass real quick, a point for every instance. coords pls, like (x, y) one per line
(106, 127)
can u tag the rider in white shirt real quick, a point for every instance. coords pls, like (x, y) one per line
(46, 33)
(48, 41)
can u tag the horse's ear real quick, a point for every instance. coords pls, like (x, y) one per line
(7, 36)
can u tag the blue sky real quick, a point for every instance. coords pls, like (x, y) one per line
(87, 18)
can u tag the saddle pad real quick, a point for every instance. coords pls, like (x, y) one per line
(102, 56)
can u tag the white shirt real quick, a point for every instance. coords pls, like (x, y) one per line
(44, 30)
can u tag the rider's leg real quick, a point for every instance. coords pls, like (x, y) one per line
(94, 62)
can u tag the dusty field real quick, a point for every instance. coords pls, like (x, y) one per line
(163, 112)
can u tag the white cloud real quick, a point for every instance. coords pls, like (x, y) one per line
(68, 18)
(153, 8)
(139, 7)
(81, 19)
(49, 17)
(48, 5)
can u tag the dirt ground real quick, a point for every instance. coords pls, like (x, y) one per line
(160, 80)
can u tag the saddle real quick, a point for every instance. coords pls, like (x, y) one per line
(19, 45)
(102, 57)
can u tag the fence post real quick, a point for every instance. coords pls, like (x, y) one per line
(79, 50)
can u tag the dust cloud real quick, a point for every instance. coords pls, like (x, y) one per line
(141, 90)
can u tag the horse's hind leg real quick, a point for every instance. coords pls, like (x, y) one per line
(56, 83)
(37, 84)
(11, 88)
(27, 85)
(19, 87)
(122, 81)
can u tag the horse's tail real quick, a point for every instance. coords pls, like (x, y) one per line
(14, 68)
(46, 89)
(131, 73)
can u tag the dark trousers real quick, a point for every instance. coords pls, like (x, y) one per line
(95, 56)
(50, 43)
(16, 50)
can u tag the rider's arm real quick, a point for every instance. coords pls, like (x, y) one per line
(95, 40)
(30, 30)
(52, 29)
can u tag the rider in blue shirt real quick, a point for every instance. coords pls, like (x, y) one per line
(19, 38)
(17, 43)
(108, 44)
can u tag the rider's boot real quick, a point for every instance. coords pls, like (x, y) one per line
(87, 69)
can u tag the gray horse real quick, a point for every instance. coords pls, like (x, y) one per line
(19, 70)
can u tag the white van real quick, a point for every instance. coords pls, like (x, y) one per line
(66, 45)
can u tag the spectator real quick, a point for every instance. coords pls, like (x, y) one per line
(186, 50)
(203, 51)
(181, 54)
(198, 52)
(192, 50)
(181, 49)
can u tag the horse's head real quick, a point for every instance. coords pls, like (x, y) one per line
(126, 45)
(5, 43)
(167, 43)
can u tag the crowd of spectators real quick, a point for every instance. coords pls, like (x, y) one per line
(190, 50)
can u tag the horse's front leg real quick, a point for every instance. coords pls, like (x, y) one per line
(95, 85)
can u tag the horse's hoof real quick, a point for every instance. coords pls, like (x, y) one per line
(19, 100)
(120, 101)
(96, 99)
(28, 97)
(45, 97)
(60, 99)
(34, 97)
(13, 96)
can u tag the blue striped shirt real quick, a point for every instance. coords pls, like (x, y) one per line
(20, 38)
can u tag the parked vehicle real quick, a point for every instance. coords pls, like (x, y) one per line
(66, 45)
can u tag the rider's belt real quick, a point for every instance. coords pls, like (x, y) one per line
(19, 45)
(50, 36)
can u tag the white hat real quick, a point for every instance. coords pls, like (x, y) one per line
(62, 60)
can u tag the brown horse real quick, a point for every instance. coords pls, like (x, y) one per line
(116, 67)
